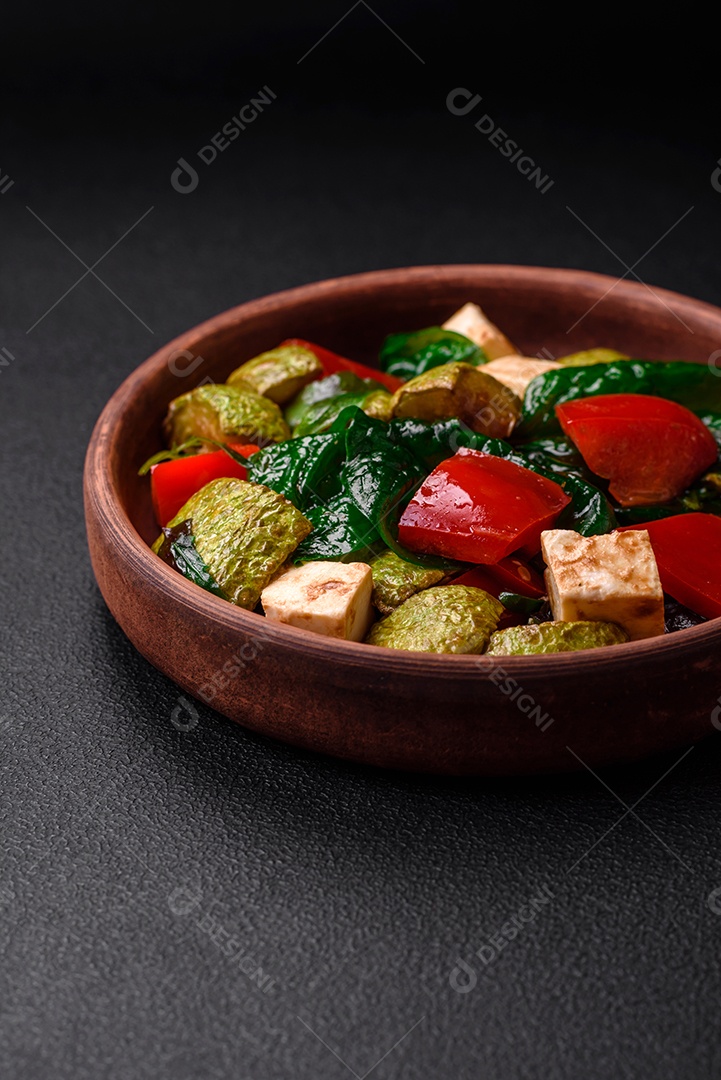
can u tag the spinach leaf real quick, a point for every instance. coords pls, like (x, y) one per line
(410, 354)
(179, 551)
(692, 385)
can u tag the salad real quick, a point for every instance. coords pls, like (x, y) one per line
(461, 498)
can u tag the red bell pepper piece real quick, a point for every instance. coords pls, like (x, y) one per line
(173, 482)
(480, 508)
(332, 362)
(649, 448)
(688, 553)
(509, 575)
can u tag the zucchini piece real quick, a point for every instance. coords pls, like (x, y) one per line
(278, 374)
(443, 619)
(554, 637)
(243, 533)
(462, 391)
(224, 414)
(395, 580)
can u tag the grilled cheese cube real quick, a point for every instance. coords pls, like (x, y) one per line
(472, 323)
(611, 578)
(517, 372)
(325, 597)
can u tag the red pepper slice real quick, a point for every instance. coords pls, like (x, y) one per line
(688, 552)
(480, 508)
(509, 575)
(332, 362)
(649, 448)
(173, 482)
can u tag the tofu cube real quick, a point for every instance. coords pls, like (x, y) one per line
(470, 321)
(517, 371)
(328, 598)
(604, 578)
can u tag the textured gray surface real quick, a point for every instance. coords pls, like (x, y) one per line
(135, 856)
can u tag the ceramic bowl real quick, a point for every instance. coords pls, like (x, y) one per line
(442, 714)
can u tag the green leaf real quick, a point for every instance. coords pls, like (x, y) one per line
(434, 441)
(304, 470)
(692, 385)
(521, 605)
(179, 551)
(409, 354)
(341, 533)
(341, 382)
(321, 416)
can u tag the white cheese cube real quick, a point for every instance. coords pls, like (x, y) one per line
(325, 597)
(471, 322)
(611, 578)
(517, 371)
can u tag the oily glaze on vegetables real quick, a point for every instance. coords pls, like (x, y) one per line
(243, 533)
(459, 498)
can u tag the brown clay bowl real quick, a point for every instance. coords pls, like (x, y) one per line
(442, 714)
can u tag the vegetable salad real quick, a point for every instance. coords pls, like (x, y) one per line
(460, 498)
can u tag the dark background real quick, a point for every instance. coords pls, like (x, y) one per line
(355, 890)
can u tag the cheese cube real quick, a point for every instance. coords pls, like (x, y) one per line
(470, 321)
(325, 597)
(517, 371)
(604, 578)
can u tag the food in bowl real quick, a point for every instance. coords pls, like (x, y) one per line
(463, 498)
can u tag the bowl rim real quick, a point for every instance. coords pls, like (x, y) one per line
(102, 495)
